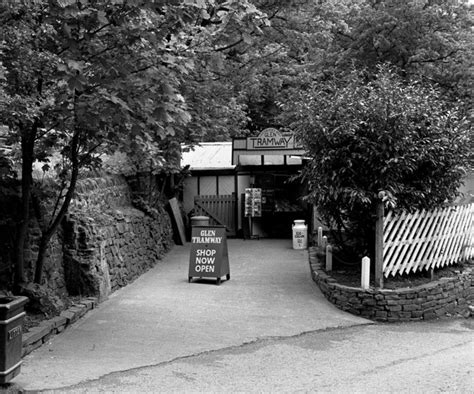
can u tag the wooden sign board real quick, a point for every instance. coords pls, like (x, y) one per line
(180, 236)
(272, 139)
(209, 257)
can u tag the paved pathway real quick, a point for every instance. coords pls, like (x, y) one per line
(161, 317)
(415, 357)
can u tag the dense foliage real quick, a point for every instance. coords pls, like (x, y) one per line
(378, 136)
(83, 78)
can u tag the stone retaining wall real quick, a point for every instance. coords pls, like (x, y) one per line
(53, 269)
(444, 297)
(53, 273)
(107, 242)
(102, 193)
(104, 243)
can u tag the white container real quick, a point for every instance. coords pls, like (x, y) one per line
(300, 234)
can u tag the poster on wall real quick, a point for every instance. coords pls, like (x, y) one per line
(253, 202)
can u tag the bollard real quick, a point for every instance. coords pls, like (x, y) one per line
(365, 275)
(320, 236)
(329, 258)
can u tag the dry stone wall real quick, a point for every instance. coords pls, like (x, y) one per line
(104, 242)
(440, 298)
(53, 272)
(107, 242)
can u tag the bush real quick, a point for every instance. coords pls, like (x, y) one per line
(383, 136)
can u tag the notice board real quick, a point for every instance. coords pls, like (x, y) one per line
(253, 202)
(209, 256)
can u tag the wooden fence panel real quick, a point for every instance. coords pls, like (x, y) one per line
(220, 209)
(427, 239)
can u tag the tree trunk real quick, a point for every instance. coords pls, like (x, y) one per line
(40, 259)
(51, 230)
(48, 234)
(27, 153)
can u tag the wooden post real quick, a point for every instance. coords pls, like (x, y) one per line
(379, 245)
(365, 275)
(329, 258)
(314, 220)
(320, 237)
(324, 243)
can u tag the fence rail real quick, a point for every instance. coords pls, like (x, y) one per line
(427, 239)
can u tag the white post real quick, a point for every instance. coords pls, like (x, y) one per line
(329, 258)
(365, 276)
(379, 245)
(320, 236)
(324, 243)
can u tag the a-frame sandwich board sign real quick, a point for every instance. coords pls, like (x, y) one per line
(209, 257)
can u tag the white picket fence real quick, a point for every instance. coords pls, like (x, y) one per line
(427, 239)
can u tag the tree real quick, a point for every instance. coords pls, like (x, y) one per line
(367, 136)
(84, 78)
(312, 41)
(267, 65)
(432, 40)
(240, 76)
(69, 73)
(214, 91)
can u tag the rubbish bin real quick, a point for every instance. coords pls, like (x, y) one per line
(199, 221)
(300, 234)
(11, 322)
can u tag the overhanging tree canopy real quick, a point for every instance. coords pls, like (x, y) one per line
(84, 77)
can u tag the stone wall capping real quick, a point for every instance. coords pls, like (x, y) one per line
(386, 291)
(40, 334)
(89, 304)
(36, 334)
(446, 279)
(78, 310)
(446, 297)
(58, 321)
(29, 348)
(70, 316)
(47, 324)
(405, 290)
(349, 289)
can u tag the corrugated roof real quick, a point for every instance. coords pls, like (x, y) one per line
(208, 156)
